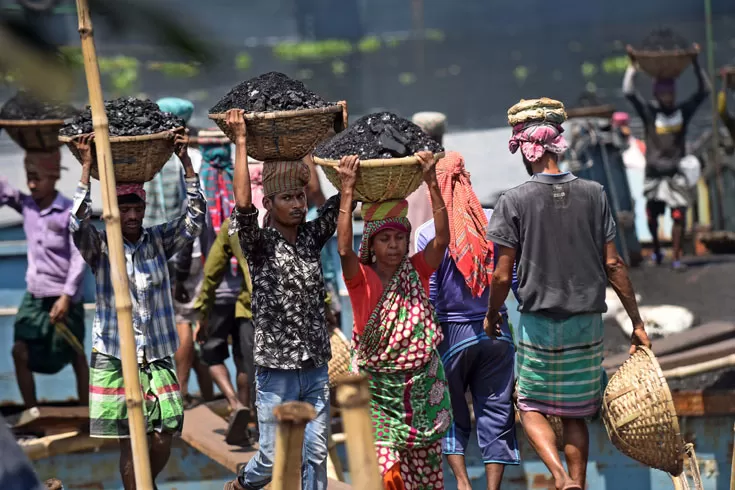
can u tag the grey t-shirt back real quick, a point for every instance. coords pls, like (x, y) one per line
(559, 224)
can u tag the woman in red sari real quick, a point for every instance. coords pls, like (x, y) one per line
(395, 332)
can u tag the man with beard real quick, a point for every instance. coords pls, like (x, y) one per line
(147, 252)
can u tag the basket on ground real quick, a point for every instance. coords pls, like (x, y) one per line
(340, 362)
(34, 135)
(664, 64)
(134, 158)
(284, 135)
(380, 180)
(639, 414)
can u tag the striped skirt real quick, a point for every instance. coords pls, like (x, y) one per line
(163, 407)
(559, 364)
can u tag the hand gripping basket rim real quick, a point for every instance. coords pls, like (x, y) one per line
(622, 445)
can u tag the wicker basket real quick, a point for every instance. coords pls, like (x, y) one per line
(600, 111)
(664, 64)
(284, 135)
(639, 414)
(34, 135)
(380, 180)
(340, 362)
(135, 158)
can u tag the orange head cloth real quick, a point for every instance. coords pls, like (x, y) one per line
(468, 246)
(44, 163)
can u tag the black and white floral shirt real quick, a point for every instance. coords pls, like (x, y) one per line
(288, 288)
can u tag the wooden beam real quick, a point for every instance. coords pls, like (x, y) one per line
(69, 442)
(703, 403)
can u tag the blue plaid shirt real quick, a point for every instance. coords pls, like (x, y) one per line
(154, 322)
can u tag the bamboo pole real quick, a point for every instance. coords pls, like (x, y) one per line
(702, 367)
(111, 215)
(353, 397)
(292, 419)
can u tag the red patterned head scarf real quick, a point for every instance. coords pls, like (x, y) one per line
(536, 138)
(468, 247)
(130, 189)
(379, 216)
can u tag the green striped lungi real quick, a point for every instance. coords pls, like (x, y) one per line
(163, 406)
(559, 364)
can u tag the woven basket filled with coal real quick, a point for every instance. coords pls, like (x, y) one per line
(284, 120)
(386, 145)
(34, 124)
(664, 54)
(537, 110)
(141, 137)
(639, 415)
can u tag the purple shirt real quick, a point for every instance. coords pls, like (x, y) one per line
(448, 291)
(55, 266)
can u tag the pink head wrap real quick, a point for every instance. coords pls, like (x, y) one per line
(128, 189)
(535, 138)
(620, 118)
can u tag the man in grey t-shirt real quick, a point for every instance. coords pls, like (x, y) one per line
(560, 231)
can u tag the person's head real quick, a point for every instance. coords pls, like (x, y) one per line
(43, 169)
(386, 233)
(664, 91)
(284, 192)
(131, 203)
(178, 107)
(432, 123)
(621, 120)
(540, 143)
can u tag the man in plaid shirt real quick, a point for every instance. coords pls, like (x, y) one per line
(147, 251)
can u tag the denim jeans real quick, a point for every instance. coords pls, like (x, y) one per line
(277, 386)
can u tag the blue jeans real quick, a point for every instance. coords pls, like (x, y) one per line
(277, 386)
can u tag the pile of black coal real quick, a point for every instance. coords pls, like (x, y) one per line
(26, 107)
(269, 93)
(127, 117)
(378, 135)
(664, 40)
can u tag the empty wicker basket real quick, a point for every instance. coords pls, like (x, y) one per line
(340, 362)
(34, 135)
(639, 414)
(664, 64)
(134, 158)
(285, 135)
(380, 180)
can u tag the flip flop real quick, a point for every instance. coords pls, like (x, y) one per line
(237, 432)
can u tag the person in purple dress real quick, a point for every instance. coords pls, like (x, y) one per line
(474, 362)
(49, 325)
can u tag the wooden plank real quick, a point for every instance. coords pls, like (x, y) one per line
(692, 356)
(702, 403)
(702, 335)
(70, 442)
(43, 419)
(205, 431)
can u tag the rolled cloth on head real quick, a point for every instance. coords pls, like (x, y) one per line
(380, 216)
(536, 138)
(664, 85)
(130, 189)
(284, 177)
(620, 118)
(178, 107)
(46, 163)
(468, 247)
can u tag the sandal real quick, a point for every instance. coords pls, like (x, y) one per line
(237, 432)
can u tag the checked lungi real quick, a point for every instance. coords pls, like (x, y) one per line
(559, 364)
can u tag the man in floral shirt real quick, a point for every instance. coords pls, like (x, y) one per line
(291, 338)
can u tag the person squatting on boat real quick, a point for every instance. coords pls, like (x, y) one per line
(147, 253)
(560, 231)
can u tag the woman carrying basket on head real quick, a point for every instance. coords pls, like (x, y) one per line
(395, 334)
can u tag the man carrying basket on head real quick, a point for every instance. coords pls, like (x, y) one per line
(665, 124)
(147, 252)
(292, 346)
(561, 294)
